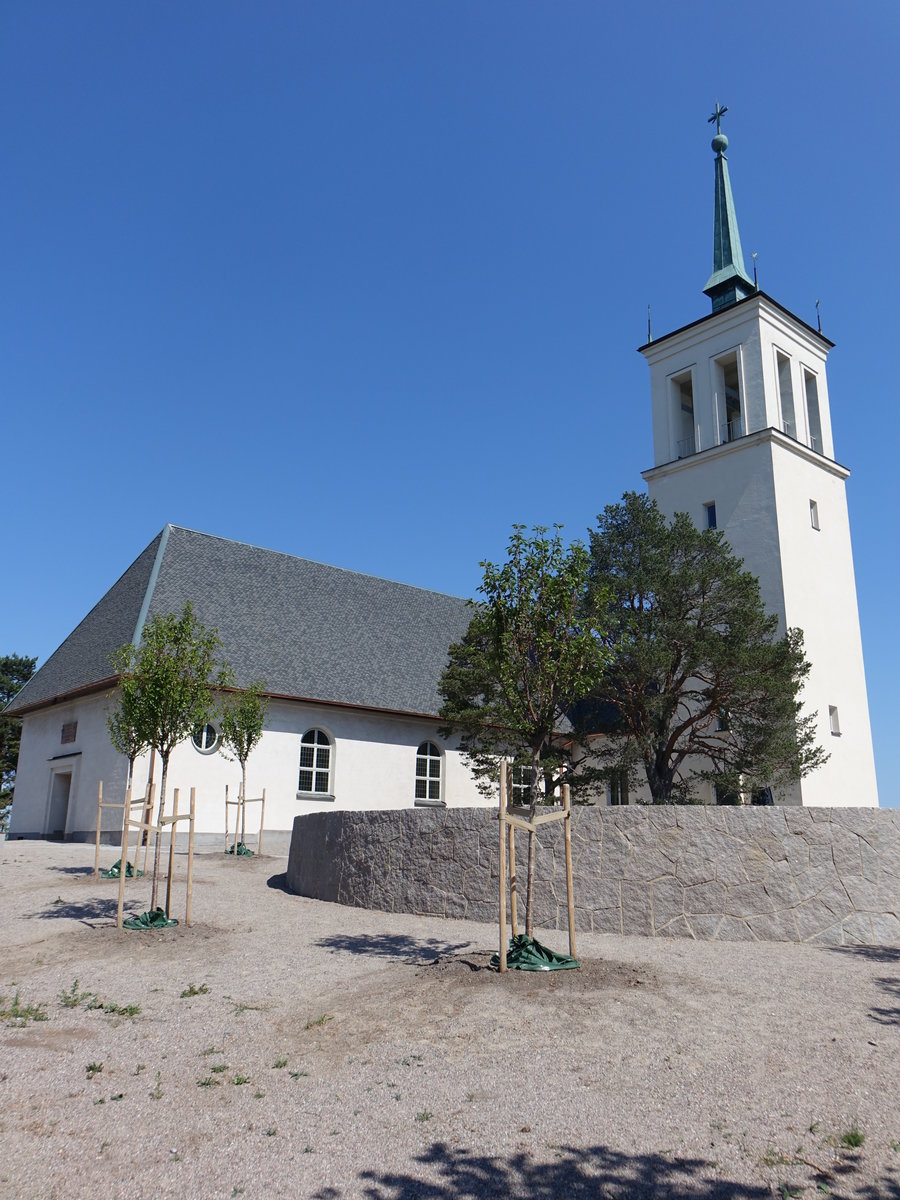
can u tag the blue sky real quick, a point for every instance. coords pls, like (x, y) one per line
(364, 281)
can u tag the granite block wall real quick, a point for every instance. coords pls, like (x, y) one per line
(827, 875)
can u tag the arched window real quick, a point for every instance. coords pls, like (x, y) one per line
(428, 774)
(315, 763)
(206, 739)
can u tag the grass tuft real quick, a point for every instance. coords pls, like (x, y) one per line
(18, 1013)
(853, 1137)
(72, 998)
(193, 990)
(323, 1020)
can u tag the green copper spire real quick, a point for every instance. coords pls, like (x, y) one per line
(729, 281)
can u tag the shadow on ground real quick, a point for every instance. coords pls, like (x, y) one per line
(73, 870)
(392, 945)
(880, 954)
(87, 911)
(888, 1016)
(593, 1171)
(279, 883)
(889, 984)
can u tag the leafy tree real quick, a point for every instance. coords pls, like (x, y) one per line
(699, 685)
(125, 728)
(166, 691)
(243, 716)
(15, 671)
(532, 651)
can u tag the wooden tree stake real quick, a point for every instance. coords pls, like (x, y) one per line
(570, 896)
(123, 861)
(502, 825)
(513, 877)
(190, 879)
(99, 818)
(174, 821)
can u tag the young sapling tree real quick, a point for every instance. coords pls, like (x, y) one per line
(166, 691)
(242, 719)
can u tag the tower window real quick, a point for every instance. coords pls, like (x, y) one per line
(786, 394)
(711, 521)
(814, 514)
(833, 721)
(617, 789)
(686, 435)
(814, 423)
(731, 425)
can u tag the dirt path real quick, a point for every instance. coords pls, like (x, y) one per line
(330, 1052)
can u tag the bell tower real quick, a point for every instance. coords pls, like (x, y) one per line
(742, 442)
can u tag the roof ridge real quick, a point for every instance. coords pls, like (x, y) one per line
(151, 584)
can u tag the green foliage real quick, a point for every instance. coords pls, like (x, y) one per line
(73, 997)
(193, 990)
(167, 689)
(243, 716)
(699, 686)
(16, 1013)
(853, 1137)
(532, 651)
(15, 671)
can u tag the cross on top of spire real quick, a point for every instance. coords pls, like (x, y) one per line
(717, 116)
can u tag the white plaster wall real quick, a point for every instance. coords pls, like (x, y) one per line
(90, 758)
(753, 331)
(738, 478)
(373, 767)
(762, 488)
(820, 598)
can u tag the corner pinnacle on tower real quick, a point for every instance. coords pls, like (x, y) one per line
(729, 281)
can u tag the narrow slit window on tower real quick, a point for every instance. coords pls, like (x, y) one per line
(833, 721)
(711, 520)
(731, 425)
(814, 514)
(686, 437)
(786, 395)
(617, 788)
(814, 423)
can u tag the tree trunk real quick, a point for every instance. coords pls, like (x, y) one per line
(243, 803)
(660, 778)
(159, 816)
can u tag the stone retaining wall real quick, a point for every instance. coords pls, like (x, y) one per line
(827, 875)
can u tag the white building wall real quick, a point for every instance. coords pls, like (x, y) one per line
(86, 761)
(762, 486)
(373, 767)
(820, 598)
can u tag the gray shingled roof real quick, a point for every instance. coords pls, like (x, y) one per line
(307, 630)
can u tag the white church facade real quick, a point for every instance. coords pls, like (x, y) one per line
(742, 442)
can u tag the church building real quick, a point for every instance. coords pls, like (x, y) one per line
(742, 442)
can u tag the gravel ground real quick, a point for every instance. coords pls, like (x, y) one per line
(332, 1052)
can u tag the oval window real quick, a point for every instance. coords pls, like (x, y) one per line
(206, 739)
